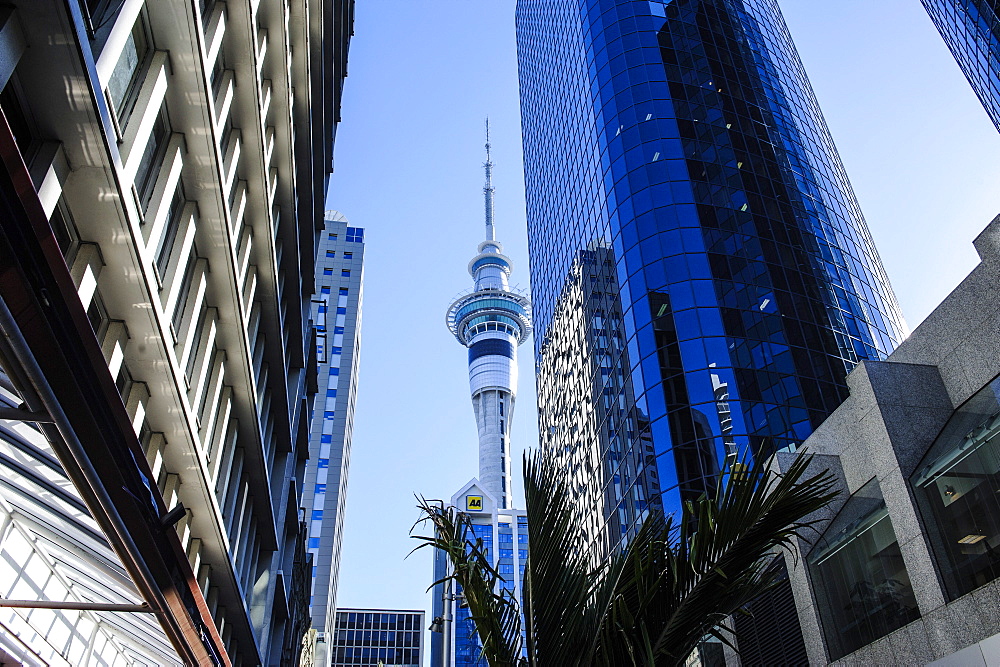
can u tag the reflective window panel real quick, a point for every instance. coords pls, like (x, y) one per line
(957, 486)
(862, 587)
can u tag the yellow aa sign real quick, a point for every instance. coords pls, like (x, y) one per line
(474, 503)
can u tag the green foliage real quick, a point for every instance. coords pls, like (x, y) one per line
(496, 614)
(674, 583)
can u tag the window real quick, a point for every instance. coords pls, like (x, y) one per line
(862, 587)
(196, 343)
(64, 228)
(331, 253)
(18, 117)
(327, 272)
(126, 78)
(348, 255)
(152, 156)
(333, 237)
(169, 235)
(957, 486)
(97, 314)
(216, 75)
(345, 273)
(355, 235)
(184, 293)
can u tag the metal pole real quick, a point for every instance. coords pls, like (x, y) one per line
(449, 600)
(78, 606)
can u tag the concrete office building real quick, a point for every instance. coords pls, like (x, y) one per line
(904, 568)
(491, 321)
(164, 170)
(337, 318)
(378, 637)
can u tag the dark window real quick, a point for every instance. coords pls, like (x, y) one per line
(63, 228)
(185, 292)
(862, 587)
(21, 126)
(957, 487)
(491, 346)
(170, 230)
(97, 314)
(152, 157)
(196, 343)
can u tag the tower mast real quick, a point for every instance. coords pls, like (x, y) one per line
(491, 321)
(488, 188)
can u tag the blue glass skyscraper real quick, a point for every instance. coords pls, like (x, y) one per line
(971, 28)
(702, 277)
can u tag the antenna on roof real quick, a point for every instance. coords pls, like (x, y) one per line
(488, 188)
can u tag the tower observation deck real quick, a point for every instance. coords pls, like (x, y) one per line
(492, 321)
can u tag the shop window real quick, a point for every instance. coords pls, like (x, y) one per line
(957, 486)
(862, 587)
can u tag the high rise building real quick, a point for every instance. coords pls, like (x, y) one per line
(164, 169)
(337, 318)
(702, 277)
(971, 28)
(491, 321)
(378, 637)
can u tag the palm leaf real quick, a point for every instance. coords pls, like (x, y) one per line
(493, 608)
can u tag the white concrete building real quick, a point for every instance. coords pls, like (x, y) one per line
(164, 170)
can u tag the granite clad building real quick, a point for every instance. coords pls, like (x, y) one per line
(164, 170)
(702, 277)
(337, 318)
(906, 565)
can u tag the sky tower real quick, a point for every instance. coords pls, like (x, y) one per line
(491, 322)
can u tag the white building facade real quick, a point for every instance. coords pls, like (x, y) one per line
(164, 172)
(337, 318)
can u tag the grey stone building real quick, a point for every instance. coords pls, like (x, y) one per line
(904, 567)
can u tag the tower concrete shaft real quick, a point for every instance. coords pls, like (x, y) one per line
(492, 321)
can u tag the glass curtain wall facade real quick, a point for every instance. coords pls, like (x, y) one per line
(337, 318)
(377, 637)
(971, 28)
(736, 283)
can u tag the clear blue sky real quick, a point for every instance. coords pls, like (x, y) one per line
(919, 148)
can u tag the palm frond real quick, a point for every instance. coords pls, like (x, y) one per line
(567, 591)
(493, 608)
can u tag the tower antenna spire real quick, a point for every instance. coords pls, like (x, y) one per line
(488, 188)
